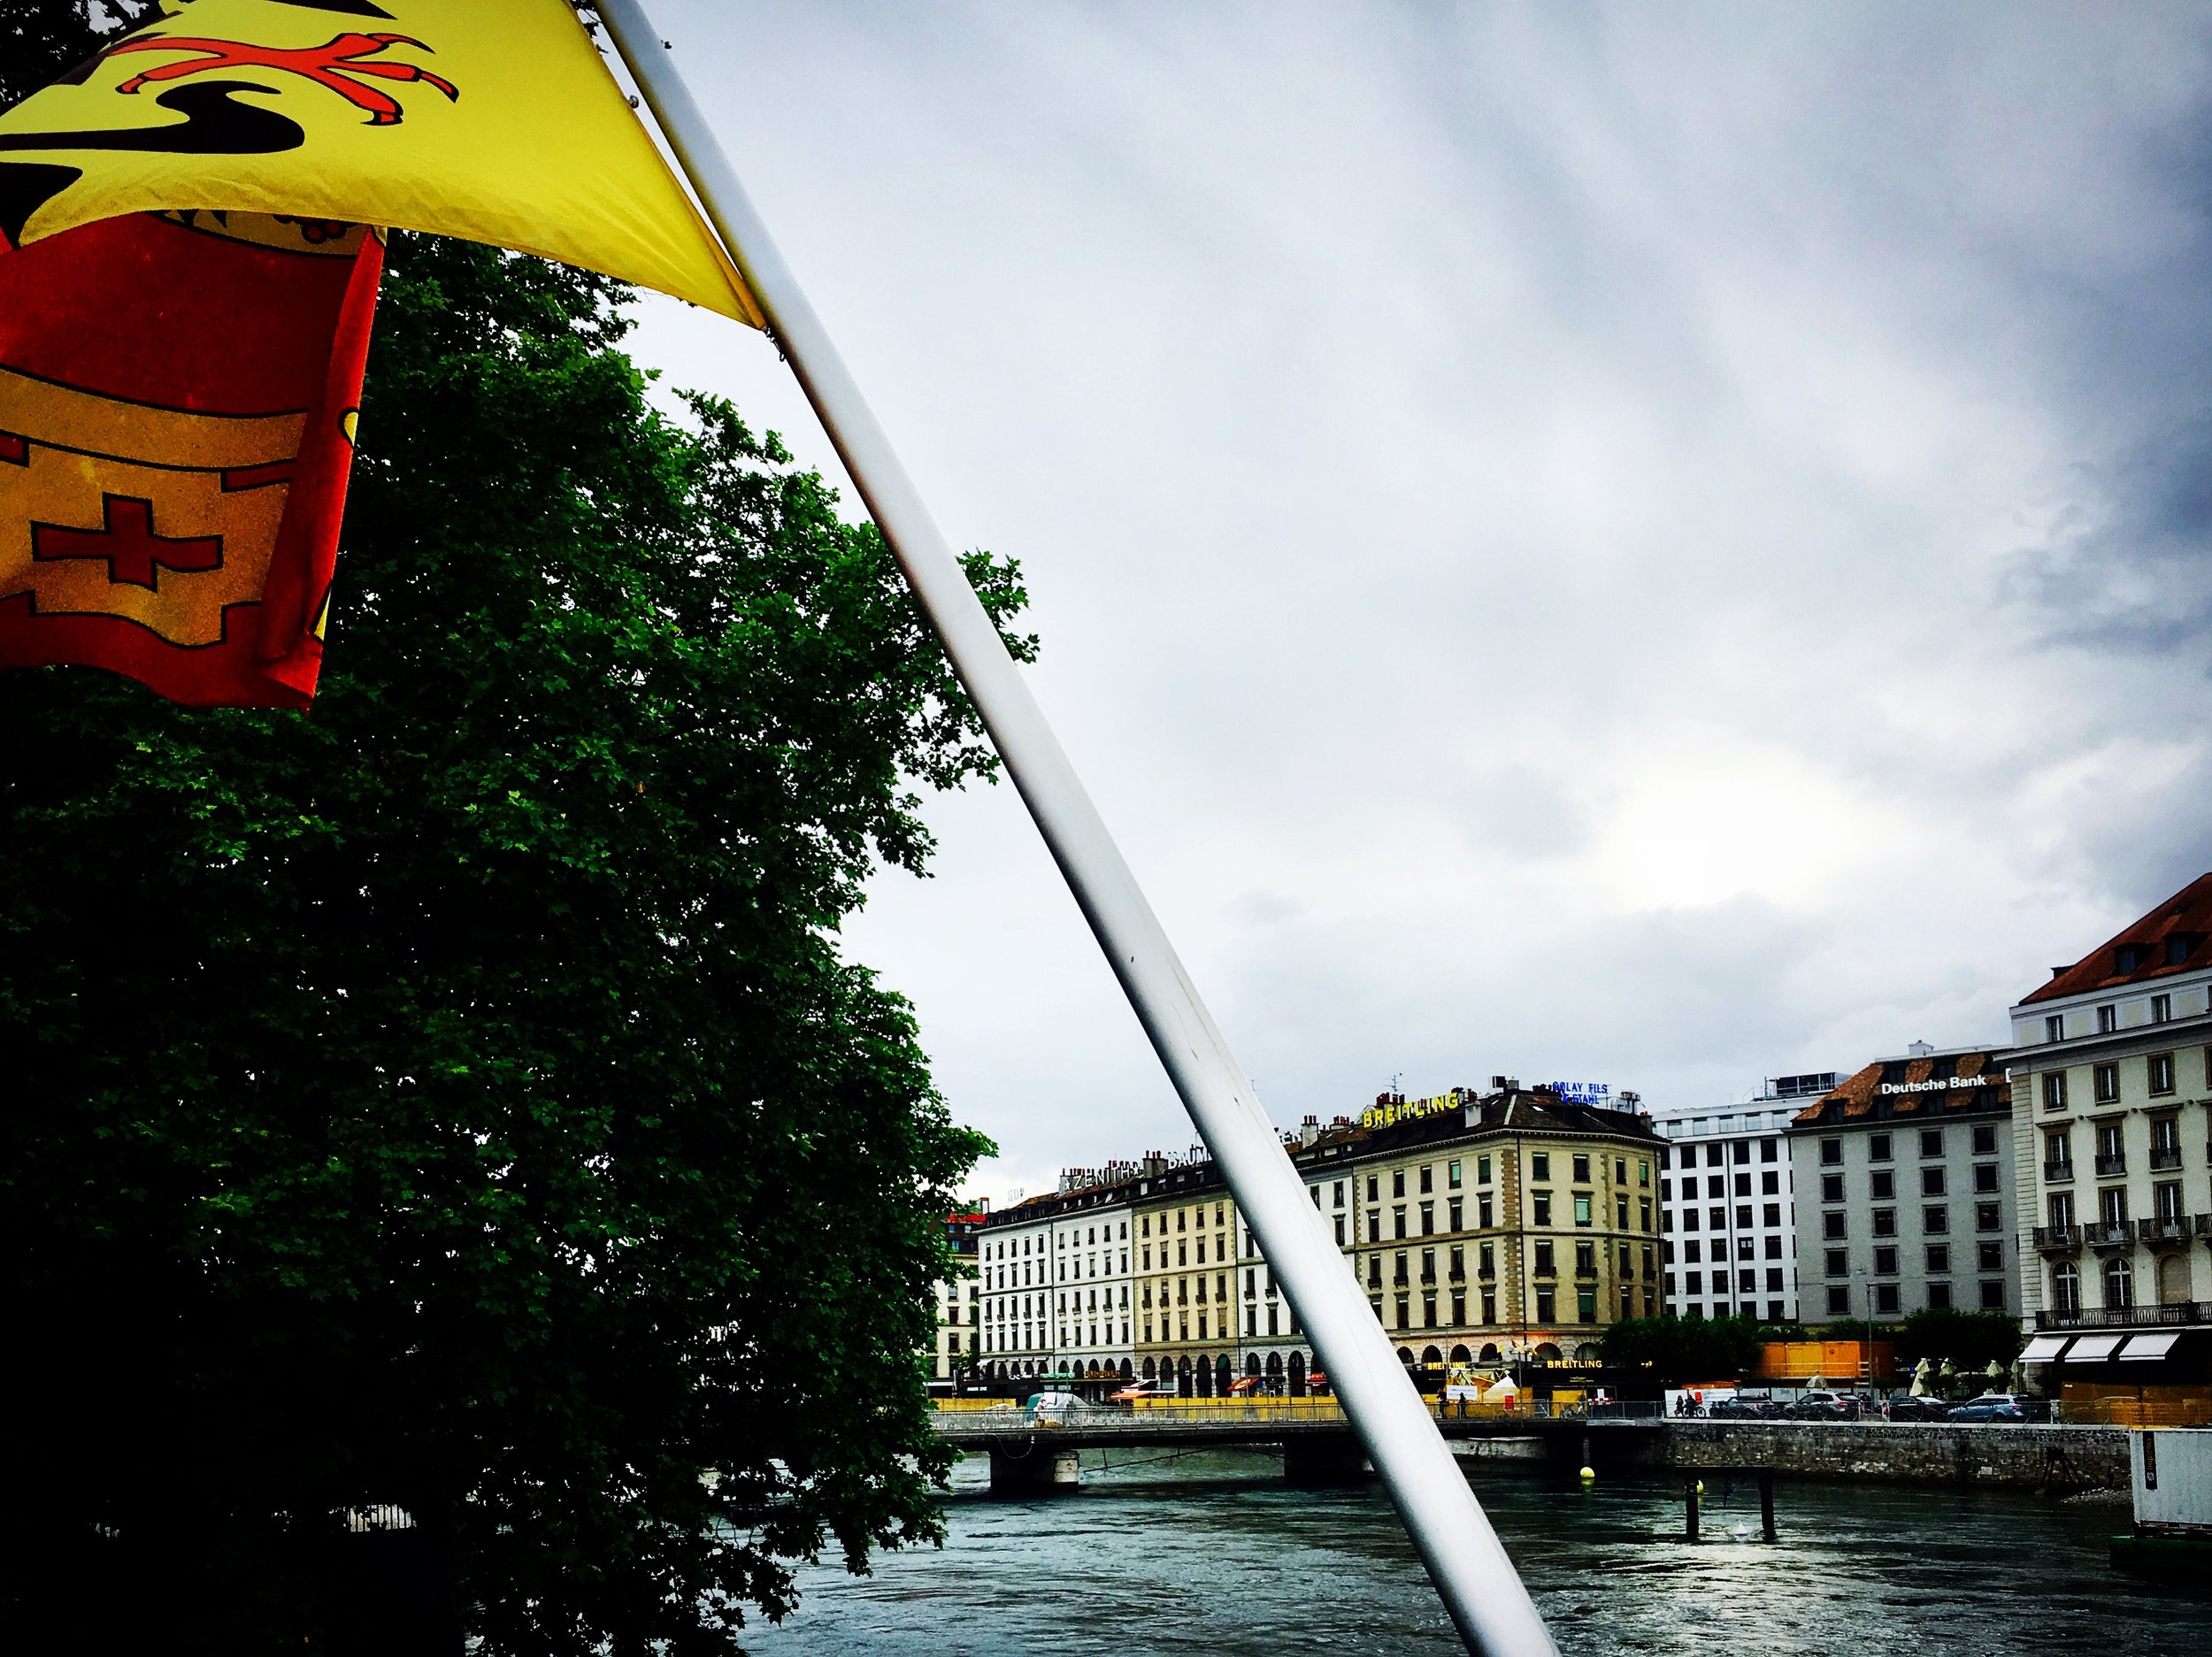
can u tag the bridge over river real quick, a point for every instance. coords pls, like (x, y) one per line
(1040, 1450)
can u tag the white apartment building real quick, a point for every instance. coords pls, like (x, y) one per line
(957, 1301)
(2112, 1076)
(1728, 1213)
(1055, 1291)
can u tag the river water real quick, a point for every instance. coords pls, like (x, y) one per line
(1212, 1553)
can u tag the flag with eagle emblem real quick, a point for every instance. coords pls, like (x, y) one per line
(191, 230)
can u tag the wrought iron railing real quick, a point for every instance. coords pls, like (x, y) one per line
(2116, 1162)
(2182, 1312)
(2057, 1173)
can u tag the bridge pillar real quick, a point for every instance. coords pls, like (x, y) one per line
(1325, 1458)
(1039, 1470)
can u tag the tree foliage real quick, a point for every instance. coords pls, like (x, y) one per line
(1684, 1349)
(455, 1097)
(1970, 1341)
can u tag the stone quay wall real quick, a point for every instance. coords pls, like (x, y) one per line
(2059, 1460)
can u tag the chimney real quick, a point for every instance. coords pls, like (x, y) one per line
(1309, 1130)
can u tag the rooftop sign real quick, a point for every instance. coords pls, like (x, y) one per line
(1934, 1087)
(1382, 1116)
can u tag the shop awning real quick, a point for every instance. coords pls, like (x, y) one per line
(2094, 1349)
(2149, 1348)
(2043, 1348)
(1245, 1384)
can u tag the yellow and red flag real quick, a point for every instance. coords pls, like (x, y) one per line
(187, 279)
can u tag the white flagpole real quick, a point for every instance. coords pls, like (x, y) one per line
(1480, 1588)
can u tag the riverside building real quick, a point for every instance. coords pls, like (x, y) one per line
(1055, 1290)
(1728, 1212)
(2112, 1065)
(1904, 1182)
(956, 1344)
(1486, 1228)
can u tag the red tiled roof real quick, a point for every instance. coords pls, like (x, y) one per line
(2183, 920)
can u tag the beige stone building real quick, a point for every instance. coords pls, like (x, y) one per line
(2112, 1078)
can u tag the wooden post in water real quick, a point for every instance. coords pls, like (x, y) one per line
(1689, 1509)
(1766, 1504)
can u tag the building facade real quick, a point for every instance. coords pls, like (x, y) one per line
(1728, 1215)
(1905, 1191)
(957, 1343)
(2112, 1062)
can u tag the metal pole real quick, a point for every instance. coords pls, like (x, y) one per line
(1482, 1590)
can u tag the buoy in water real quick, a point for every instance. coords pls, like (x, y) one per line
(1589, 1474)
(1700, 1487)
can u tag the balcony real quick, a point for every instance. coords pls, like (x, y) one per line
(2108, 1239)
(1457, 1274)
(2171, 1228)
(2164, 1157)
(2186, 1312)
(2115, 1163)
(2058, 1173)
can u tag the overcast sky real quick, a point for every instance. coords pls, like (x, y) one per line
(1655, 544)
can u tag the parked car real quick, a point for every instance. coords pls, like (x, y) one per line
(1739, 1408)
(2015, 1406)
(1820, 1406)
(1917, 1409)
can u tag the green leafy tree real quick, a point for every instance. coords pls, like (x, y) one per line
(1684, 1349)
(455, 1097)
(1970, 1341)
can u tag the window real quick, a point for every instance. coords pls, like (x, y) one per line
(1714, 1153)
(1544, 1259)
(1398, 1222)
(1398, 1182)
(1374, 1271)
(1547, 1306)
(1541, 1204)
(1482, 1212)
(1831, 1153)
(1457, 1213)
(1769, 1151)
(1938, 1258)
(1689, 1219)
(2162, 1010)
(1989, 1256)
(1832, 1188)
(2161, 1073)
(2061, 1210)
(1643, 1173)
(1985, 1139)
(1839, 1299)
(1693, 1282)
(1885, 1222)
(1716, 1186)
(1428, 1219)
(1985, 1176)
(1772, 1214)
(2054, 1027)
(1340, 1232)
(1987, 1219)
(1373, 1194)
(2119, 1282)
(1838, 1264)
(2108, 1020)
(1315, 1190)
(2066, 1287)
(1582, 1210)
(1489, 1260)
(1885, 1297)
(1482, 1171)
(1586, 1259)
(1428, 1180)
(1336, 1193)
(2166, 1201)
(2055, 1090)
(1451, 1175)
(1938, 1297)
(1931, 1182)
(1769, 1184)
(1582, 1170)
(1774, 1247)
(1539, 1166)
(1886, 1261)
(1878, 1147)
(1885, 1184)
(2107, 1084)
(1374, 1225)
(1832, 1225)
(1743, 1184)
